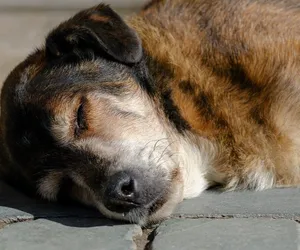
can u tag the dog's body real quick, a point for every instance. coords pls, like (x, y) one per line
(132, 118)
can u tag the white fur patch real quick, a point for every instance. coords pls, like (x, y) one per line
(257, 176)
(260, 178)
(195, 161)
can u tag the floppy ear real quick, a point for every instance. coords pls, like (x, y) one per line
(98, 30)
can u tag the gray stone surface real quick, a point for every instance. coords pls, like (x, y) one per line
(273, 203)
(27, 223)
(75, 234)
(32, 224)
(15, 206)
(227, 234)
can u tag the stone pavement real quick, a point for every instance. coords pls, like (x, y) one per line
(235, 220)
(267, 220)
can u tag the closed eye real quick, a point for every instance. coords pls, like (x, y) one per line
(80, 121)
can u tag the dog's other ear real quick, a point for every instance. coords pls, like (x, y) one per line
(98, 30)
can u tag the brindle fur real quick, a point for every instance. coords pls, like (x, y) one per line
(196, 93)
(233, 75)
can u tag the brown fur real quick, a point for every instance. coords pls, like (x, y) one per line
(233, 76)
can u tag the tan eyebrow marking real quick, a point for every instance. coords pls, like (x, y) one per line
(98, 18)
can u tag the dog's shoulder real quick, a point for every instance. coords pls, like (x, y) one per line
(225, 66)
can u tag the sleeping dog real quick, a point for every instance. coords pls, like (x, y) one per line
(133, 116)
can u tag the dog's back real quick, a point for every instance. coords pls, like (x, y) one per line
(232, 70)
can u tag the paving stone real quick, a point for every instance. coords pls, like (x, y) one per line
(227, 234)
(298, 227)
(274, 203)
(2, 224)
(87, 234)
(15, 206)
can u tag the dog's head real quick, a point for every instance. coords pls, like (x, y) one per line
(83, 109)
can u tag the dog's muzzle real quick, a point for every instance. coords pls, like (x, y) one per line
(126, 191)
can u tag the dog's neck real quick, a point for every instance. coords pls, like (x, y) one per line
(178, 77)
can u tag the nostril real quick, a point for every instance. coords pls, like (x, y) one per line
(122, 194)
(122, 186)
(128, 188)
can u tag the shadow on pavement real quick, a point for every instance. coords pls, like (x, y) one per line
(15, 206)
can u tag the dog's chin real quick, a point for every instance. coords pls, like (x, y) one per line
(138, 216)
(143, 216)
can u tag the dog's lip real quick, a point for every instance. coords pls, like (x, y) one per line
(121, 206)
(151, 207)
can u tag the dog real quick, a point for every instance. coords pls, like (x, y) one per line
(131, 116)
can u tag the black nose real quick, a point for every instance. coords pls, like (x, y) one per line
(121, 194)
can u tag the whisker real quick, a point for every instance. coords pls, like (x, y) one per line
(142, 150)
(154, 147)
(164, 151)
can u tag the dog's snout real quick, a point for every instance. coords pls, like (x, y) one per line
(122, 192)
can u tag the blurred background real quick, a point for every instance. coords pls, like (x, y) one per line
(25, 23)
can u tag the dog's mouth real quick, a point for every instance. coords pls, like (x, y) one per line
(122, 207)
(132, 211)
(127, 195)
(147, 201)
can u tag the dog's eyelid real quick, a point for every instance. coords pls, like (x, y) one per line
(80, 118)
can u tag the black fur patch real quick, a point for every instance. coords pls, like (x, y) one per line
(257, 116)
(141, 73)
(172, 112)
(204, 105)
(242, 81)
(186, 87)
(97, 30)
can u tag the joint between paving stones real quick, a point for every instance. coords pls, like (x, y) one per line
(145, 240)
(237, 216)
